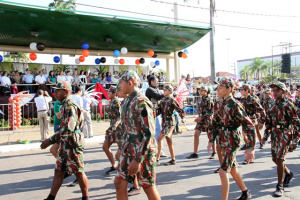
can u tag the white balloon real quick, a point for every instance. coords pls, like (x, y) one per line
(32, 46)
(152, 64)
(124, 50)
(116, 61)
(77, 61)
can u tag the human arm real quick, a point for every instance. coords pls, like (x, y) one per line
(152, 93)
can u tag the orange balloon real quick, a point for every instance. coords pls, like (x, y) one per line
(137, 62)
(81, 59)
(184, 55)
(85, 53)
(150, 53)
(122, 61)
(33, 56)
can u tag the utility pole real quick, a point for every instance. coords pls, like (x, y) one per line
(176, 59)
(212, 51)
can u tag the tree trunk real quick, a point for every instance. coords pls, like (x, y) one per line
(212, 52)
(258, 75)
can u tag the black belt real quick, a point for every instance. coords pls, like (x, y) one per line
(229, 128)
(42, 110)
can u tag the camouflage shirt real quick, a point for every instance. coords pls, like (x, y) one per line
(167, 106)
(253, 109)
(229, 115)
(267, 104)
(114, 115)
(205, 107)
(297, 102)
(137, 127)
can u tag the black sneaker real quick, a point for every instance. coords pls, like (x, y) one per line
(245, 196)
(287, 179)
(246, 162)
(261, 146)
(213, 155)
(243, 147)
(134, 191)
(74, 183)
(171, 162)
(279, 191)
(112, 169)
(66, 175)
(193, 155)
(290, 149)
(217, 170)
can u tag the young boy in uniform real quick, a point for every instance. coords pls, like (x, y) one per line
(225, 129)
(278, 123)
(166, 108)
(114, 113)
(205, 107)
(138, 148)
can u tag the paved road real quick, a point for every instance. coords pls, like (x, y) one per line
(28, 175)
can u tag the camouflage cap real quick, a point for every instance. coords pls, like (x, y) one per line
(128, 75)
(228, 82)
(245, 87)
(63, 85)
(203, 87)
(169, 87)
(268, 91)
(113, 89)
(279, 84)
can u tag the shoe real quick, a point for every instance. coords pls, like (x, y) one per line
(261, 146)
(66, 175)
(112, 169)
(213, 155)
(175, 133)
(171, 162)
(134, 191)
(193, 155)
(287, 179)
(217, 170)
(290, 149)
(163, 155)
(246, 162)
(245, 196)
(74, 183)
(279, 191)
(243, 147)
(179, 132)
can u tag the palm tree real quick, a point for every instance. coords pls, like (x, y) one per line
(19, 57)
(245, 72)
(258, 66)
(67, 5)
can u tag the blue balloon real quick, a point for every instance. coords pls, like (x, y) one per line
(1, 58)
(97, 61)
(116, 53)
(56, 59)
(186, 51)
(157, 63)
(85, 45)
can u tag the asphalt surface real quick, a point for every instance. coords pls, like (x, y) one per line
(28, 174)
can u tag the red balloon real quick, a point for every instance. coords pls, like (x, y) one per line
(150, 53)
(184, 55)
(33, 56)
(85, 53)
(81, 58)
(122, 61)
(137, 62)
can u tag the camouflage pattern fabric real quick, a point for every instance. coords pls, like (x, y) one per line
(278, 123)
(229, 114)
(267, 104)
(166, 108)
(205, 107)
(253, 109)
(70, 138)
(297, 104)
(114, 114)
(138, 130)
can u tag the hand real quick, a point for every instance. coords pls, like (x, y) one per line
(293, 147)
(134, 167)
(209, 146)
(250, 155)
(198, 119)
(46, 93)
(263, 141)
(260, 126)
(184, 122)
(45, 144)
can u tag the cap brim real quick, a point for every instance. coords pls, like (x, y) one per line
(216, 82)
(274, 85)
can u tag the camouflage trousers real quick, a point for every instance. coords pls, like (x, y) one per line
(70, 154)
(167, 127)
(229, 159)
(146, 176)
(202, 126)
(280, 143)
(111, 137)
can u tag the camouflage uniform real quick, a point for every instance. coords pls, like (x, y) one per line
(229, 114)
(267, 103)
(114, 115)
(166, 108)
(138, 130)
(278, 123)
(205, 107)
(253, 108)
(70, 138)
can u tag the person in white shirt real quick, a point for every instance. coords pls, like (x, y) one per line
(82, 80)
(28, 79)
(69, 78)
(87, 124)
(61, 77)
(77, 97)
(40, 79)
(42, 105)
(45, 75)
(5, 81)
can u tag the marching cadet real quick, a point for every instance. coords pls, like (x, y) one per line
(166, 108)
(225, 129)
(114, 114)
(278, 124)
(205, 106)
(268, 101)
(71, 142)
(252, 93)
(138, 148)
(254, 110)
